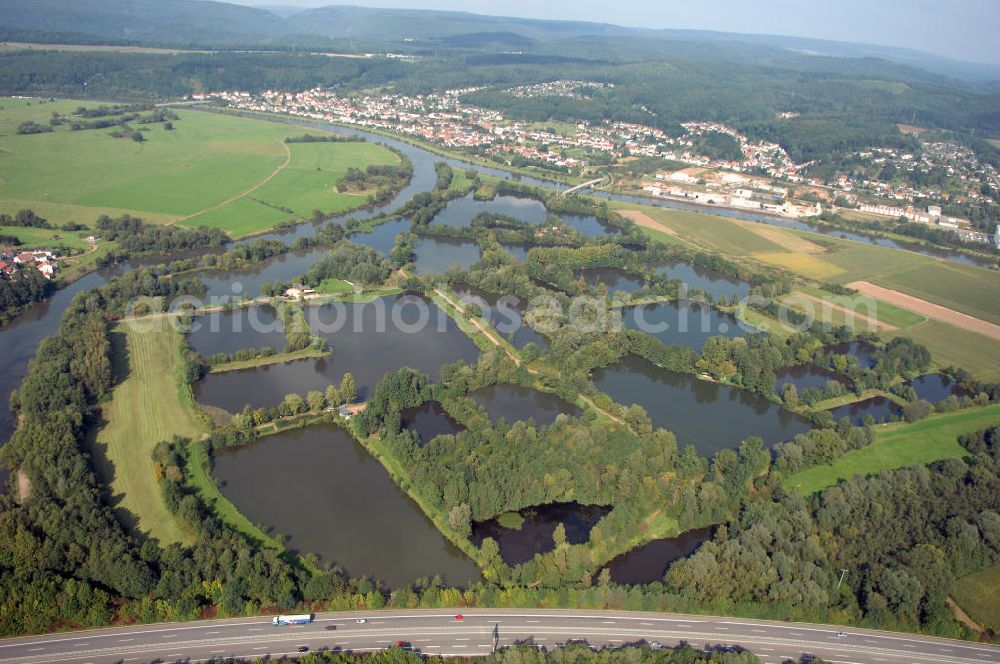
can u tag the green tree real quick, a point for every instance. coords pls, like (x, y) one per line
(348, 388)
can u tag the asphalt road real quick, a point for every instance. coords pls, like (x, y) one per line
(437, 632)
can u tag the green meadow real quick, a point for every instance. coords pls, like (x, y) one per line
(899, 445)
(232, 173)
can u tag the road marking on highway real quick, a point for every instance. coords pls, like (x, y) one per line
(213, 632)
(461, 639)
(768, 649)
(255, 629)
(533, 621)
(724, 629)
(647, 624)
(434, 647)
(608, 622)
(759, 631)
(34, 649)
(169, 636)
(79, 644)
(485, 645)
(458, 646)
(215, 651)
(261, 648)
(125, 640)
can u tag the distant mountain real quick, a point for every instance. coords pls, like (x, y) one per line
(208, 24)
(153, 21)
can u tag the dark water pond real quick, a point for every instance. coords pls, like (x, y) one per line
(516, 402)
(505, 314)
(649, 562)
(429, 420)
(711, 281)
(682, 323)
(614, 278)
(519, 545)
(436, 255)
(937, 387)
(322, 489)
(864, 352)
(879, 408)
(369, 340)
(230, 331)
(709, 416)
(806, 376)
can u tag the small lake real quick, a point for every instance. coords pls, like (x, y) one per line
(505, 314)
(429, 420)
(436, 255)
(382, 238)
(880, 408)
(590, 226)
(459, 212)
(711, 281)
(369, 340)
(937, 387)
(864, 352)
(649, 562)
(230, 331)
(682, 323)
(614, 278)
(707, 415)
(516, 402)
(519, 545)
(806, 376)
(322, 489)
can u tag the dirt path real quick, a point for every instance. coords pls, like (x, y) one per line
(475, 321)
(644, 220)
(928, 309)
(245, 192)
(963, 616)
(23, 486)
(875, 323)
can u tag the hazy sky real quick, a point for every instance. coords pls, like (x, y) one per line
(961, 29)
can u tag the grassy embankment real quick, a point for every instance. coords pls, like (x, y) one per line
(969, 289)
(148, 406)
(216, 170)
(898, 445)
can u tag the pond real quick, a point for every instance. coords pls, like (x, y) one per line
(709, 416)
(516, 402)
(505, 314)
(880, 408)
(614, 278)
(325, 492)
(429, 420)
(806, 376)
(648, 563)
(711, 281)
(683, 323)
(246, 283)
(382, 238)
(230, 331)
(436, 255)
(459, 212)
(937, 387)
(534, 533)
(864, 352)
(590, 226)
(369, 340)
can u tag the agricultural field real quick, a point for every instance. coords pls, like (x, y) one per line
(232, 173)
(150, 404)
(898, 445)
(964, 288)
(977, 595)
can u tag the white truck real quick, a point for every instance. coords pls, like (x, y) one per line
(297, 619)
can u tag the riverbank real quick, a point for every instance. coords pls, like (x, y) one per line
(277, 358)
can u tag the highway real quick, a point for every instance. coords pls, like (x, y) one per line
(437, 632)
